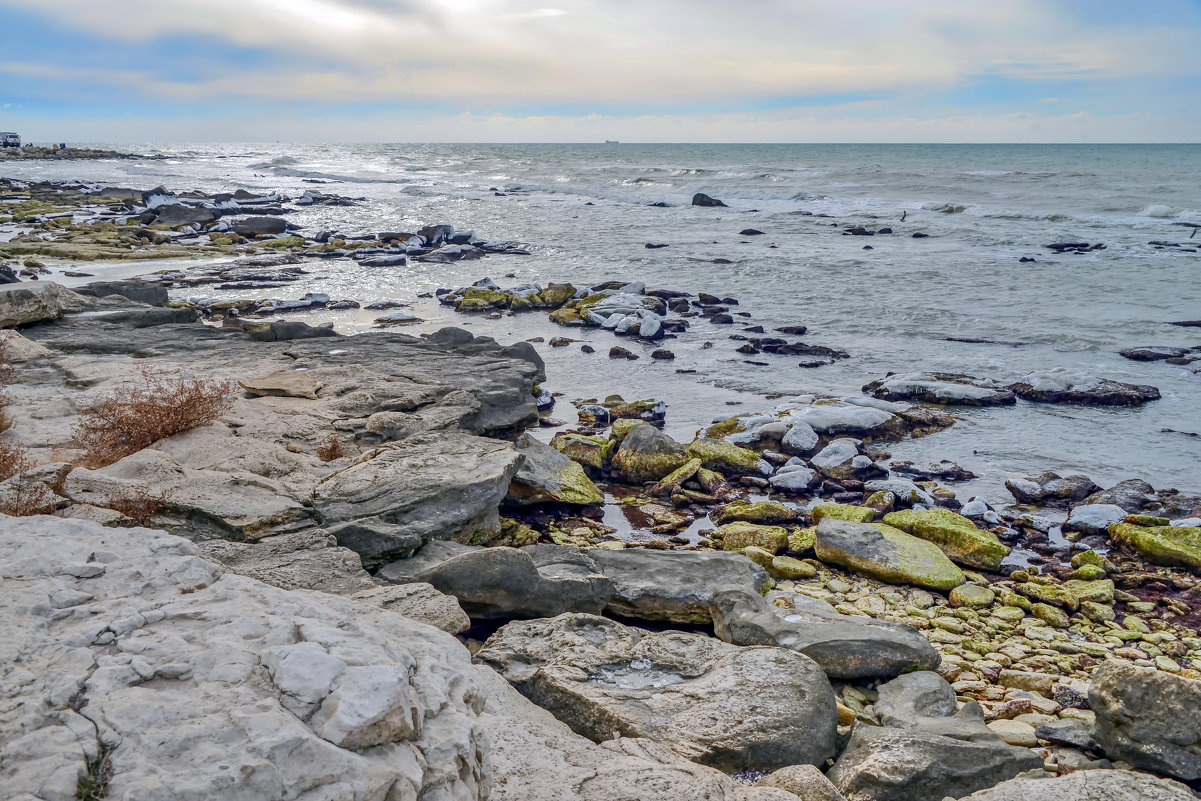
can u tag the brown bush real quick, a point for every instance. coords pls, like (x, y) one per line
(139, 503)
(12, 459)
(24, 497)
(150, 408)
(330, 449)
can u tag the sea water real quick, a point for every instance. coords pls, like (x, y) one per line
(585, 213)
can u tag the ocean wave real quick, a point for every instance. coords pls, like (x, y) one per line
(988, 173)
(279, 161)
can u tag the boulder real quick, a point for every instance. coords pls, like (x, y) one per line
(501, 582)
(151, 292)
(846, 647)
(591, 452)
(174, 215)
(31, 302)
(890, 764)
(957, 536)
(547, 476)
(1164, 545)
(701, 199)
(722, 457)
(804, 781)
(1094, 518)
(129, 648)
(922, 694)
(307, 560)
(1148, 718)
(1086, 785)
(17, 348)
(1068, 386)
(1051, 489)
(738, 536)
(677, 586)
(534, 756)
(260, 226)
(421, 602)
(701, 697)
(951, 389)
(438, 486)
(763, 512)
(647, 454)
(885, 553)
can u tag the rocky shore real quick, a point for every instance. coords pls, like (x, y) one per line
(37, 153)
(369, 578)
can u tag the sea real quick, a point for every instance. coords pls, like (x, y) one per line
(894, 303)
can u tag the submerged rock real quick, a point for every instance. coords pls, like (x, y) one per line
(700, 697)
(946, 388)
(1067, 386)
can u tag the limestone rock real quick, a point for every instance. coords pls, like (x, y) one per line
(306, 560)
(538, 581)
(31, 302)
(885, 553)
(547, 476)
(1087, 785)
(284, 383)
(440, 486)
(804, 781)
(701, 697)
(421, 602)
(1148, 718)
(199, 678)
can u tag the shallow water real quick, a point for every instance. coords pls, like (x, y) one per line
(891, 307)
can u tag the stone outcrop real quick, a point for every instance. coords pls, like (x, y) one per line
(1148, 718)
(701, 697)
(1087, 785)
(31, 302)
(547, 476)
(886, 553)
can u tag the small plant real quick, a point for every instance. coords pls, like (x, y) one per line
(330, 449)
(140, 504)
(93, 786)
(25, 497)
(150, 408)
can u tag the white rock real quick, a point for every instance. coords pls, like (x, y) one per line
(837, 452)
(1094, 518)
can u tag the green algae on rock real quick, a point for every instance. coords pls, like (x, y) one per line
(647, 454)
(885, 553)
(955, 534)
(591, 452)
(1164, 545)
(738, 536)
(719, 455)
(801, 540)
(766, 512)
(840, 511)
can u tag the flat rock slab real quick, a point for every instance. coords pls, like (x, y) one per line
(431, 486)
(951, 389)
(728, 707)
(202, 680)
(305, 560)
(1066, 386)
(1087, 785)
(284, 383)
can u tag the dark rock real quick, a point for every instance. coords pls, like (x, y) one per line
(653, 246)
(260, 226)
(920, 235)
(721, 319)
(942, 388)
(8, 275)
(750, 232)
(662, 353)
(1153, 354)
(177, 214)
(701, 199)
(142, 291)
(589, 349)
(1070, 732)
(1050, 488)
(618, 352)
(1051, 387)
(1133, 495)
(794, 330)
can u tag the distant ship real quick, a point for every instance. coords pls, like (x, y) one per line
(612, 142)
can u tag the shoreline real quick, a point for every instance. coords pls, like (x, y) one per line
(801, 539)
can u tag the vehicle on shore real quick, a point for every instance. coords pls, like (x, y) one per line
(9, 139)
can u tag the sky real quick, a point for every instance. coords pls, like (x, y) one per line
(587, 70)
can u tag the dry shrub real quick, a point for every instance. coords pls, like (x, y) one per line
(6, 375)
(138, 503)
(24, 497)
(12, 459)
(330, 449)
(147, 409)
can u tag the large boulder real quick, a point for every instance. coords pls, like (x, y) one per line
(924, 703)
(124, 648)
(1148, 718)
(1069, 386)
(701, 697)
(885, 553)
(957, 536)
(260, 226)
(539, 581)
(436, 486)
(882, 763)
(547, 476)
(846, 647)
(31, 302)
(1087, 785)
(647, 454)
(1163, 545)
(676, 586)
(151, 292)
(1051, 489)
(535, 756)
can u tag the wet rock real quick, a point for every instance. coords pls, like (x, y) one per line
(618, 352)
(1148, 718)
(501, 582)
(945, 388)
(890, 764)
(885, 553)
(750, 232)
(547, 476)
(647, 454)
(701, 199)
(1068, 386)
(698, 696)
(260, 226)
(1160, 544)
(1051, 489)
(1153, 354)
(1094, 518)
(846, 647)
(662, 354)
(723, 457)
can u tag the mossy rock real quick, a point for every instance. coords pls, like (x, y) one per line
(283, 243)
(1052, 616)
(885, 553)
(619, 429)
(758, 555)
(765, 512)
(842, 511)
(593, 453)
(1070, 594)
(1163, 545)
(567, 317)
(671, 483)
(1095, 559)
(737, 536)
(725, 428)
(490, 297)
(800, 540)
(553, 296)
(719, 455)
(972, 596)
(955, 534)
(787, 567)
(647, 454)
(1088, 573)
